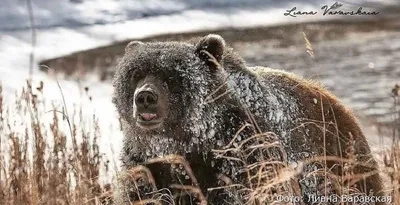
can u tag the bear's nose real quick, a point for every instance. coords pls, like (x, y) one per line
(146, 99)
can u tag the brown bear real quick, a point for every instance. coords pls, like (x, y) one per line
(193, 98)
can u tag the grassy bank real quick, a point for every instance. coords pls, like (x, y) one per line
(48, 156)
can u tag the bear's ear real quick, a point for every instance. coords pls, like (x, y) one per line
(211, 48)
(133, 44)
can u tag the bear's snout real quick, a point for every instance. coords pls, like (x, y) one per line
(146, 99)
(149, 108)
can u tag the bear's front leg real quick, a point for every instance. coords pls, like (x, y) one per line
(177, 176)
(134, 185)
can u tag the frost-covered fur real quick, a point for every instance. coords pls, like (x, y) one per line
(208, 103)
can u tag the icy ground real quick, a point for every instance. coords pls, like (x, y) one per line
(68, 26)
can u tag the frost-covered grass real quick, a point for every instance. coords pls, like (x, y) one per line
(50, 156)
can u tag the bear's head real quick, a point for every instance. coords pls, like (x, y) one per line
(170, 88)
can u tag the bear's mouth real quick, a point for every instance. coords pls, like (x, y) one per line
(147, 116)
(148, 120)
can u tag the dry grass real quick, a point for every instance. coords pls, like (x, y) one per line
(41, 164)
(37, 166)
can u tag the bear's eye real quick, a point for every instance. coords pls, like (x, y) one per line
(173, 84)
(138, 75)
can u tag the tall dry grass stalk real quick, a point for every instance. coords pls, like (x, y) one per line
(37, 163)
(392, 156)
